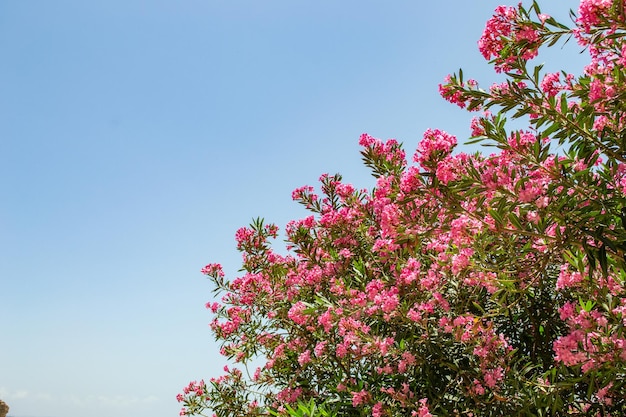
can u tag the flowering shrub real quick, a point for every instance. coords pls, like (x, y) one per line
(461, 285)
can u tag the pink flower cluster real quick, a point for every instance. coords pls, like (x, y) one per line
(592, 13)
(590, 342)
(435, 145)
(508, 37)
(213, 270)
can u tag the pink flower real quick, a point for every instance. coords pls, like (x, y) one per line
(407, 359)
(326, 321)
(600, 122)
(521, 139)
(447, 170)
(452, 92)
(550, 84)
(366, 140)
(410, 272)
(492, 377)
(377, 410)
(289, 395)
(590, 12)
(305, 357)
(213, 307)
(341, 350)
(423, 410)
(567, 311)
(436, 144)
(243, 236)
(567, 349)
(601, 394)
(498, 27)
(214, 270)
(567, 278)
(506, 38)
(477, 127)
(414, 315)
(320, 347)
(301, 192)
(478, 388)
(296, 313)
(461, 260)
(360, 397)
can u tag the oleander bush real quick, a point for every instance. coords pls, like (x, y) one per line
(461, 284)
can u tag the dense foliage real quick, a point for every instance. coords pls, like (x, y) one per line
(461, 285)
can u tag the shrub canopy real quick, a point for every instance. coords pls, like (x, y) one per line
(460, 285)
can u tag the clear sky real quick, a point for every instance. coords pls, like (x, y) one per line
(136, 136)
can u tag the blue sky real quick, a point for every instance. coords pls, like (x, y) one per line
(136, 136)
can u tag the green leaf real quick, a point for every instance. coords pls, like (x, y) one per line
(603, 260)
(515, 221)
(586, 305)
(496, 216)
